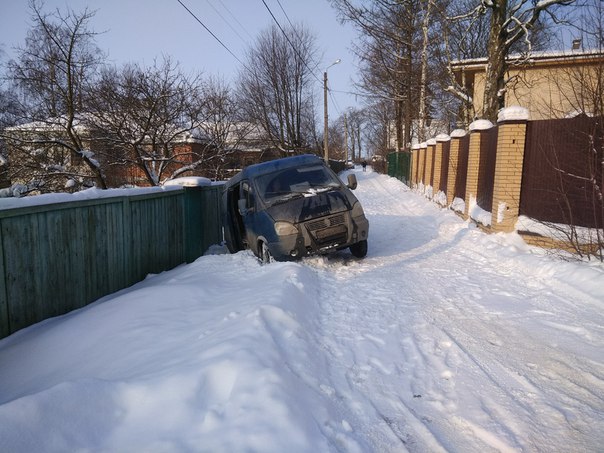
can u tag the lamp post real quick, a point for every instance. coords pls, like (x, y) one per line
(326, 126)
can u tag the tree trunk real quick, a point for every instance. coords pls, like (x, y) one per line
(494, 95)
(424, 73)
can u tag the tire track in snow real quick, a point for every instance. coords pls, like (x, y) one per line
(427, 315)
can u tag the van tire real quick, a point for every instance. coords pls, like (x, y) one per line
(265, 254)
(359, 249)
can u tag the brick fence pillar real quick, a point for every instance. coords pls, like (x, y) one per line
(429, 165)
(476, 137)
(421, 171)
(456, 136)
(512, 123)
(438, 161)
(414, 166)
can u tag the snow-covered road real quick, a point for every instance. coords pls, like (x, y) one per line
(443, 338)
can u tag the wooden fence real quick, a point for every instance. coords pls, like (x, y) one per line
(59, 257)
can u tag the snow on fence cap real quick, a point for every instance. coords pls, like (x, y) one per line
(431, 142)
(423, 145)
(513, 113)
(458, 133)
(443, 138)
(576, 113)
(416, 146)
(189, 181)
(480, 125)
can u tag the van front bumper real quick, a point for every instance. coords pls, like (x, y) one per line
(320, 236)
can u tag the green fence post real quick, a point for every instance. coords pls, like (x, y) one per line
(4, 318)
(193, 223)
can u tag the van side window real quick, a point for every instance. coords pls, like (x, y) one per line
(247, 194)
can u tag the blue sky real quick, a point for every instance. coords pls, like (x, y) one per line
(139, 31)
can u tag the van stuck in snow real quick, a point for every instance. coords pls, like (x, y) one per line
(293, 207)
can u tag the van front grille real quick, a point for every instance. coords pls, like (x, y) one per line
(329, 231)
(326, 222)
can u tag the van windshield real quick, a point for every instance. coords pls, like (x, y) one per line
(295, 182)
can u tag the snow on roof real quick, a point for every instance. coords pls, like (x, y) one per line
(545, 55)
(49, 125)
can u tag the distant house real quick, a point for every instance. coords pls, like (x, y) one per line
(548, 84)
(42, 161)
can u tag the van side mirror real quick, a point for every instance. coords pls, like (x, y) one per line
(352, 181)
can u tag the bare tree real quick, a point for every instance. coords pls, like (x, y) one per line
(388, 51)
(380, 135)
(582, 88)
(223, 126)
(356, 119)
(511, 23)
(52, 71)
(276, 86)
(9, 115)
(148, 119)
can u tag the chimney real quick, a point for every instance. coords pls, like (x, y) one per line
(576, 44)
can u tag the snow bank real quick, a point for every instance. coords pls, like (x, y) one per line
(477, 213)
(443, 338)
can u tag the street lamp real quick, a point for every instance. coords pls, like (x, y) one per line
(325, 138)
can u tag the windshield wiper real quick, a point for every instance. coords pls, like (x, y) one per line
(286, 196)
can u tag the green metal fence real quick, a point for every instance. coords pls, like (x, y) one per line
(399, 166)
(59, 257)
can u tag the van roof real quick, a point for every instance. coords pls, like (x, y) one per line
(274, 165)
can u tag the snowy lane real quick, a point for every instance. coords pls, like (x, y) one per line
(427, 315)
(442, 339)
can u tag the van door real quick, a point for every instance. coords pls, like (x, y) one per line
(248, 215)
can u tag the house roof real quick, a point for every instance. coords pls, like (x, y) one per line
(536, 58)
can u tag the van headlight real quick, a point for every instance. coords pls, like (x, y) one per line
(285, 229)
(357, 210)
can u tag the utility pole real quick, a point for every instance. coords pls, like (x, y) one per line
(346, 137)
(326, 125)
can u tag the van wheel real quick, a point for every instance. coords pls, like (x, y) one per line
(265, 254)
(359, 250)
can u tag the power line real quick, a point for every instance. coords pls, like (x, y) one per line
(290, 43)
(286, 16)
(366, 95)
(331, 96)
(235, 19)
(224, 20)
(210, 32)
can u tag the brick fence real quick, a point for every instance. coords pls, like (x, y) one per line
(479, 173)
